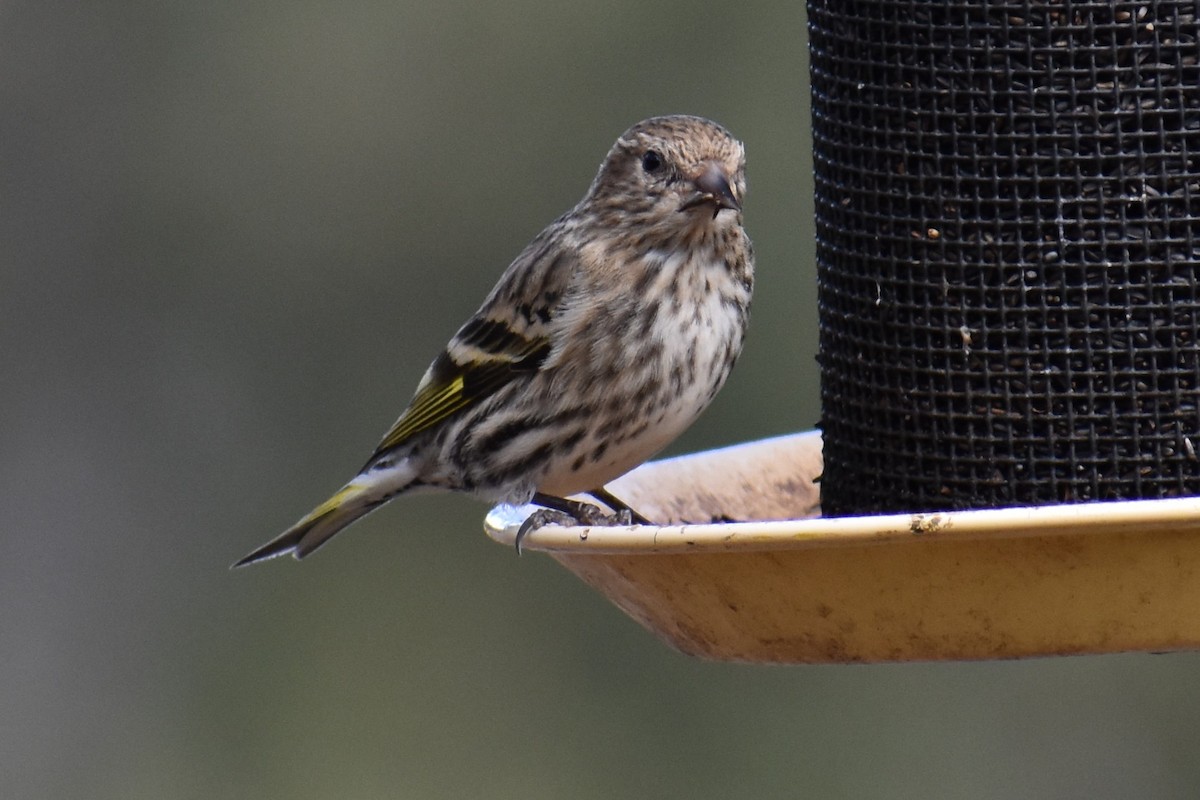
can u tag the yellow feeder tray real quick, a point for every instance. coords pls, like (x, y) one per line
(1004, 583)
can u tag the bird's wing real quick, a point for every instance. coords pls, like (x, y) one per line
(510, 335)
(451, 385)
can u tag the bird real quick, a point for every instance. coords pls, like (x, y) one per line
(601, 342)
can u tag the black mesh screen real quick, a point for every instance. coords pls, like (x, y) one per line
(1008, 218)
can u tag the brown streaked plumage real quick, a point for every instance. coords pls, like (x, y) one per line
(601, 343)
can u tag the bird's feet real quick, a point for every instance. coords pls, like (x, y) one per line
(559, 511)
(618, 505)
(543, 516)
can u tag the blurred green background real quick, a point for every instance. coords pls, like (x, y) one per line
(233, 236)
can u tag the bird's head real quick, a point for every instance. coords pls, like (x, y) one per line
(676, 172)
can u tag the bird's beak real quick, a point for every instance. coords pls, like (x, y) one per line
(712, 186)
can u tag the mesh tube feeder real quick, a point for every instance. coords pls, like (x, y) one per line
(1008, 219)
(1008, 248)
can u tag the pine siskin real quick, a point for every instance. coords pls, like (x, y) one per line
(601, 343)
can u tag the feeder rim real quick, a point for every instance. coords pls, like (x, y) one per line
(1105, 517)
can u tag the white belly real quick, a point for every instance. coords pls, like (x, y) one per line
(699, 344)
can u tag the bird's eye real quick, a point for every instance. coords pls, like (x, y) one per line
(652, 161)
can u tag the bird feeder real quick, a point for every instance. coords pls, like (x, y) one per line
(1008, 258)
(793, 587)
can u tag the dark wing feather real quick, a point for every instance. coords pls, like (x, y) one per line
(450, 387)
(511, 334)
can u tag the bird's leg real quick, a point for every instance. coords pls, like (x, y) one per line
(618, 505)
(581, 511)
(561, 511)
(558, 511)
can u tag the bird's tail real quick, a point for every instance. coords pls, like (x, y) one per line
(367, 492)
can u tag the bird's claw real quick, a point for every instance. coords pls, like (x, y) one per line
(583, 514)
(543, 516)
(623, 517)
